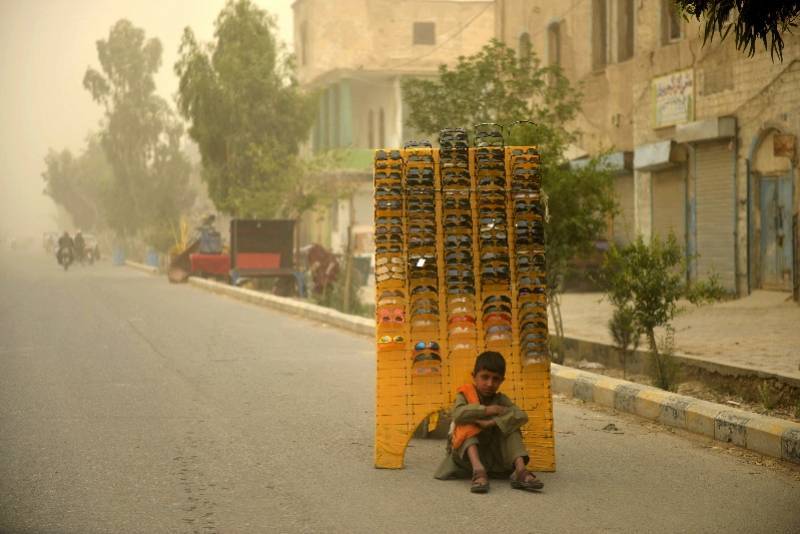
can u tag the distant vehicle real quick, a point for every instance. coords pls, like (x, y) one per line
(91, 248)
(49, 242)
(65, 257)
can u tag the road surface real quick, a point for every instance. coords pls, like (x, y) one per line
(130, 405)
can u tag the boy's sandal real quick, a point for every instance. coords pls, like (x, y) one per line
(529, 482)
(480, 482)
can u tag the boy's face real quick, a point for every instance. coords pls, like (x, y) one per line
(487, 382)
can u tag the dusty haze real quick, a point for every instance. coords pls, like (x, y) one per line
(45, 48)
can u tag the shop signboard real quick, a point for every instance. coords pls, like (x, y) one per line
(673, 98)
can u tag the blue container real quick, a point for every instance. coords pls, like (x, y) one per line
(118, 256)
(152, 258)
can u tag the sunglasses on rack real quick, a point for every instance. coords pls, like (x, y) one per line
(458, 220)
(383, 260)
(423, 176)
(385, 340)
(496, 182)
(462, 329)
(381, 155)
(389, 204)
(461, 289)
(388, 229)
(383, 221)
(460, 309)
(414, 143)
(497, 299)
(536, 260)
(419, 204)
(388, 166)
(462, 257)
(458, 240)
(457, 204)
(383, 269)
(496, 271)
(449, 145)
(427, 363)
(529, 151)
(426, 345)
(528, 207)
(391, 315)
(489, 155)
(393, 177)
(535, 290)
(421, 260)
(422, 242)
(384, 192)
(389, 276)
(418, 228)
(424, 289)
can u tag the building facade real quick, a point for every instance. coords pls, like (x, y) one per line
(355, 54)
(703, 137)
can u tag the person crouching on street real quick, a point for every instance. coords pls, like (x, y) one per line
(485, 438)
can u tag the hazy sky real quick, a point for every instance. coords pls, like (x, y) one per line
(45, 48)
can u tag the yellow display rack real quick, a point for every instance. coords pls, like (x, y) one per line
(403, 398)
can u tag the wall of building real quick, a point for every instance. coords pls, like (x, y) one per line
(711, 199)
(378, 34)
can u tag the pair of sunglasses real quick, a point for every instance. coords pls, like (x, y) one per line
(462, 257)
(461, 289)
(535, 290)
(382, 154)
(393, 177)
(394, 268)
(391, 315)
(389, 204)
(426, 345)
(383, 260)
(385, 340)
(457, 204)
(424, 289)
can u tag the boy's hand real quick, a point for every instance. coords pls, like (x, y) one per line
(495, 409)
(485, 423)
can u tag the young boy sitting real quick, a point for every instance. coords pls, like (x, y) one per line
(485, 438)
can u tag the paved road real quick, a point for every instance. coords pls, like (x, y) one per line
(129, 405)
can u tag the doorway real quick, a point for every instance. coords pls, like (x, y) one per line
(776, 245)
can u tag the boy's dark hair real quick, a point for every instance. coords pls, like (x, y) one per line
(490, 361)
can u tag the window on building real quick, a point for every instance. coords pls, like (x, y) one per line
(525, 46)
(303, 43)
(371, 129)
(381, 129)
(625, 30)
(336, 138)
(670, 22)
(554, 44)
(599, 34)
(424, 33)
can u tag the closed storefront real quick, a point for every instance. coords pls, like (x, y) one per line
(623, 225)
(714, 213)
(669, 203)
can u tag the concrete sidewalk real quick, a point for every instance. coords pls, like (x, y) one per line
(760, 332)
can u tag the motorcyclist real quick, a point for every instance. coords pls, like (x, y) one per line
(65, 243)
(80, 245)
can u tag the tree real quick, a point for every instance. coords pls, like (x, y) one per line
(80, 184)
(645, 281)
(497, 85)
(245, 110)
(140, 137)
(751, 21)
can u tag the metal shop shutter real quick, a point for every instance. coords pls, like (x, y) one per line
(715, 205)
(624, 229)
(669, 204)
